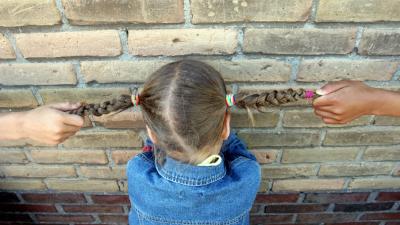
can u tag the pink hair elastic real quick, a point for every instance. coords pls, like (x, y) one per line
(309, 94)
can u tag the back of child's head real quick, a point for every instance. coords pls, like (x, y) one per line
(183, 103)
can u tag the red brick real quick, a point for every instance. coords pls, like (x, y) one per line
(388, 196)
(267, 219)
(110, 199)
(93, 209)
(7, 217)
(326, 218)
(64, 218)
(114, 219)
(363, 207)
(27, 208)
(355, 223)
(274, 198)
(255, 209)
(54, 198)
(336, 197)
(392, 223)
(380, 216)
(296, 208)
(6, 197)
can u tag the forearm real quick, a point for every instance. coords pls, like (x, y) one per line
(387, 103)
(11, 124)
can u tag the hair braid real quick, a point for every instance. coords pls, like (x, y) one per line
(269, 98)
(117, 104)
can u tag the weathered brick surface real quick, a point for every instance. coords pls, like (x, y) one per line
(37, 74)
(103, 172)
(363, 207)
(27, 208)
(296, 208)
(69, 44)
(6, 50)
(82, 185)
(358, 137)
(326, 218)
(307, 118)
(375, 183)
(276, 198)
(105, 139)
(388, 196)
(265, 119)
(22, 184)
(12, 156)
(64, 218)
(93, 209)
(123, 156)
(288, 171)
(182, 41)
(28, 12)
(307, 184)
(110, 199)
(53, 198)
(69, 156)
(88, 95)
(37, 171)
(119, 71)
(380, 42)
(380, 216)
(299, 41)
(17, 99)
(265, 156)
(319, 155)
(250, 11)
(336, 197)
(387, 121)
(258, 139)
(358, 11)
(356, 169)
(382, 153)
(271, 219)
(252, 70)
(132, 11)
(330, 70)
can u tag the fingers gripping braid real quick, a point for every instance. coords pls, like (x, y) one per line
(117, 104)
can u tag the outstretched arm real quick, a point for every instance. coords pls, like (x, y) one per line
(47, 124)
(343, 101)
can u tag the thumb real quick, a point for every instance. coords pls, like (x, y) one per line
(332, 87)
(65, 106)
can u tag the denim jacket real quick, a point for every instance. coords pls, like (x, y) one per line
(178, 193)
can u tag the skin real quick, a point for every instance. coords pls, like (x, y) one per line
(47, 124)
(344, 101)
(203, 154)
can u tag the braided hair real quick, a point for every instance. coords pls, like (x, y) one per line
(272, 98)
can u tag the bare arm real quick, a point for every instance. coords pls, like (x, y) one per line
(344, 101)
(46, 124)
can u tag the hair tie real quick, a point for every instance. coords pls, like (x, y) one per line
(135, 99)
(230, 100)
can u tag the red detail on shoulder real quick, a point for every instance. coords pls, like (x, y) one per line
(147, 148)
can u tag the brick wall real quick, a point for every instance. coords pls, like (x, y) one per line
(92, 50)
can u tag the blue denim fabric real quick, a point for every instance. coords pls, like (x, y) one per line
(178, 193)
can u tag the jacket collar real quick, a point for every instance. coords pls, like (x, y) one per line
(190, 175)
